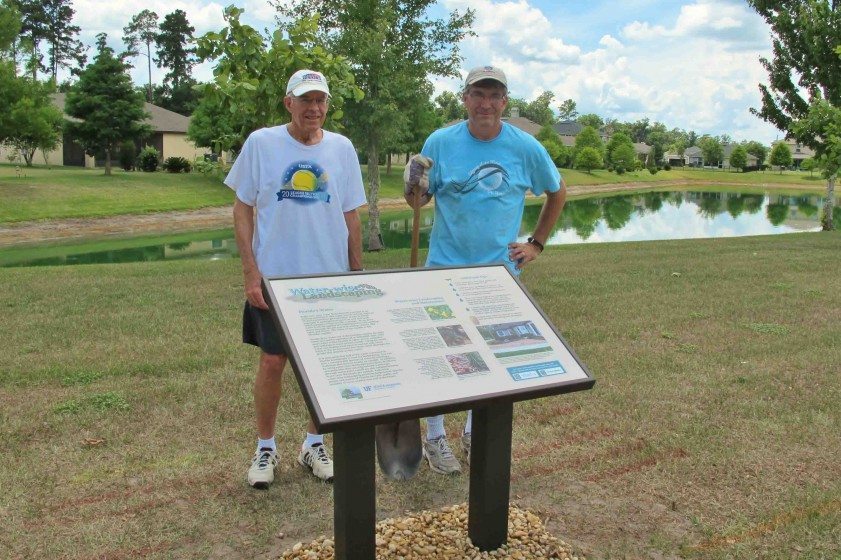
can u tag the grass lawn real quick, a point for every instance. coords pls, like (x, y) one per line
(41, 193)
(712, 431)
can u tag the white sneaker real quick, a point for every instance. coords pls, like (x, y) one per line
(441, 459)
(318, 461)
(261, 471)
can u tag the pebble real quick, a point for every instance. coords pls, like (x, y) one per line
(431, 535)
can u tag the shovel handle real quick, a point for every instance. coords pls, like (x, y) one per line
(413, 258)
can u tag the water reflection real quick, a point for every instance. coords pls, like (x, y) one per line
(648, 216)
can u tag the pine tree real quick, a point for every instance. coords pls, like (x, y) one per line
(107, 107)
(142, 29)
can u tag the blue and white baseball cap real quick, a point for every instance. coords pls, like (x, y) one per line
(303, 81)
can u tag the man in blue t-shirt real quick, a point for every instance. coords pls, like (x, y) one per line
(479, 172)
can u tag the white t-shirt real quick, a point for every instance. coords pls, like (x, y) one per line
(301, 194)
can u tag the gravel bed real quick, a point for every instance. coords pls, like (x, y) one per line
(442, 535)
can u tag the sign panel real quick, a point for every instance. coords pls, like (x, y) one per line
(396, 344)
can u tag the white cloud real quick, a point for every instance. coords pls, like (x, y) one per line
(698, 70)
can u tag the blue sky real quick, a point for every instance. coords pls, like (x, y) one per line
(691, 64)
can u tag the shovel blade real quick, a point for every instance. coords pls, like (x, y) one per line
(399, 449)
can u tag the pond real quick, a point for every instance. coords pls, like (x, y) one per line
(638, 217)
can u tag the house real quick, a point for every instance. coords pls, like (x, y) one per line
(799, 151)
(693, 156)
(752, 160)
(515, 120)
(169, 137)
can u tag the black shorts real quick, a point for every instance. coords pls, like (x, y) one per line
(258, 329)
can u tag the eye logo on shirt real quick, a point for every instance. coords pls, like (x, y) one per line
(304, 181)
(490, 177)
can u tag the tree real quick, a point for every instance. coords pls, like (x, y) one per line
(142, 29)
(539, 110)
(825, 120)
(588, 158)
(33, 31)
(65, 49)
(808, 164)
(106, 105)
(591, 120)
(567, 110)
(250, 76)
(780, 155)
(806, 35)
(449, 107)
(757, 149)
(589, 137)
(617, 153)
(394, 47)
(9, 29)
(174, 53)
(711, 149)
(33, 122)
(739, 157)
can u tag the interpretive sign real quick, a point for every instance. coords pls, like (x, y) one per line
(376, 347)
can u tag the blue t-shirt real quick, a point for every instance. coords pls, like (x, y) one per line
(480, 189)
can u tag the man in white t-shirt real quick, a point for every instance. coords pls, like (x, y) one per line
(298, 188)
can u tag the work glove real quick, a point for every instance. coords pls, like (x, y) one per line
(416, 175)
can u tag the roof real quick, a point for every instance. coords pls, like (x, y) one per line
(693, 151)
(160, 119)
(568, 128)
(642, 148)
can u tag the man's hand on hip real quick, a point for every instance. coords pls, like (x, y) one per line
(522, 253)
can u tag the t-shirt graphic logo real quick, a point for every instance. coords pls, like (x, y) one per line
(489, 176)
(304, 181)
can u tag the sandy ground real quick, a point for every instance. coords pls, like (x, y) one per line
(74, 229)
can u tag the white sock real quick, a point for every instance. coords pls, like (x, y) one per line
(312, 439)
(266, 444)
(435, 427)
(469, 424)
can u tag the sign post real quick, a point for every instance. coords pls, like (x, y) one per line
(371, 348)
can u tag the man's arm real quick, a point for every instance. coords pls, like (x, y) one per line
(244, 234)
(354, 239)
(524, 253)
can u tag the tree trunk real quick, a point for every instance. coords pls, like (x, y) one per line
(388, 165)
(829, 204)
(27, 156)
(149, 57)
(107, 161)
(374, 237)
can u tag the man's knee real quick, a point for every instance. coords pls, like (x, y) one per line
(272, 363)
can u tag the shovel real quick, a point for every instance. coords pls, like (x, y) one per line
(399, 450)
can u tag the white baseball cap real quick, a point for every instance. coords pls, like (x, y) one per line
(486, 73)
(303, 81)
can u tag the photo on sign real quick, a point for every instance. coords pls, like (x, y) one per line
(439, 312)
(454, 335)
(350, 392)
(514, 339)
(464, 364)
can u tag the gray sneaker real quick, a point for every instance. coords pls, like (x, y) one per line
(465, 445)
(261, 471)
(318, 461)
(440, 456)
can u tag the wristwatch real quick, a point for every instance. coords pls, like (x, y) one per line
(536, 243)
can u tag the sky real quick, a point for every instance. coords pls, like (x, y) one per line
(690, 64)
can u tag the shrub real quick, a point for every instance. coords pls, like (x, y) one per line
(620, 170)
(638, 165)
(652, 169)
(148, 159)
(207, 166)
(128, 152)
(667, 167)
(176, 164)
